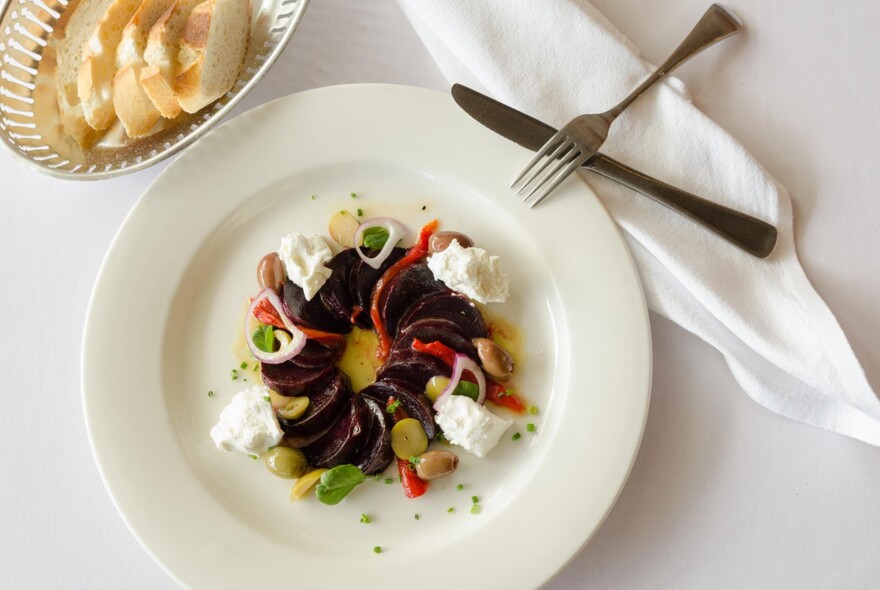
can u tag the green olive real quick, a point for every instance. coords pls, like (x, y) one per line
(293, 408)
(435, 387)
(286, 462)
(408, 438)
(434, 464)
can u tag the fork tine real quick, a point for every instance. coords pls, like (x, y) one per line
(572, 166)
(557, 137)
(571, 152)
(563, 147)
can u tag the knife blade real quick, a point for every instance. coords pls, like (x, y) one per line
(755, 236)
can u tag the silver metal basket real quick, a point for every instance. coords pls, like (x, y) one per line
(30, 125)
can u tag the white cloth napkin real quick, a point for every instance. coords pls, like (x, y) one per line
(778, 337)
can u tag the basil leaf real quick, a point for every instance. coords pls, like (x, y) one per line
(338, 482)
(471, 390)
(375, 237)
(264, 338)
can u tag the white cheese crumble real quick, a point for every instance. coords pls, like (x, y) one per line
(469, 425)
(304, 258)
(248, 424)
(470, 271)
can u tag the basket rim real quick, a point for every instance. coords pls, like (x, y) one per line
(202, 129)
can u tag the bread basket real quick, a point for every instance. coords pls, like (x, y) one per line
(30, 126)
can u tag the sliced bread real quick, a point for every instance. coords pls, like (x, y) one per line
(212, 50)
(132, 105)
(95, 76)
(68, 38)
(163, 45)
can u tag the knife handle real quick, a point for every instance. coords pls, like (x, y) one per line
(756, 237)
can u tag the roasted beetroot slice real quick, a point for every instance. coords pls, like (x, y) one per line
(450, 306)
(343, 441)
(325, 406)
(362, 280)
(316, 355)
(376, 453)
(413, 367)
(311, 314)
(440, 330)
(414, 402)
(292, 379)
(412, 284)
(335, 294)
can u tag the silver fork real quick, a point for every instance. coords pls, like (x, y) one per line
(582, 137)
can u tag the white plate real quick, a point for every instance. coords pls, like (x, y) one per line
(167, 306)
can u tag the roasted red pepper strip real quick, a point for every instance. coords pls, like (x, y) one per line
(414, 254)
(266, 313)
(413, 486)
(495, 392)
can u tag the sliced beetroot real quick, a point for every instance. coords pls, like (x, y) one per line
(409, 286)
(376, 453)
(435, 330)
(343, 441)
(450, 306)
(362, 280)
(290, 379)
(325, 405)
(414, 402)
(311, 314)
(315, 354)
(335, 294)
(413, 367)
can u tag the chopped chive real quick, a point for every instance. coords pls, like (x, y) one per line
(451, 509)
(378, 477)
(254, 457)
(389, 481)
(267, 398)
(417, 516)
(392, 407)
(314, 197)
(475, 509)
(516, 436)
(366, 519)
(210, 394)
(256, 367)
(353, 195)
(530, 427)
(415, 460)
(474, 499)
(459, 487)
(377, 549)
(243, 365)
(245, 379)
(533, 410)
(360, 212)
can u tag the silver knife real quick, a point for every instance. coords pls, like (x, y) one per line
(756, 237)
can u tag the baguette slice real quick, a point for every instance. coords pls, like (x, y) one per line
(212, 50)
(70, 35)
(132, 105)
(95, 78)
(163, 45)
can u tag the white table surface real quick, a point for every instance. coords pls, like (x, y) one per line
(724, 494)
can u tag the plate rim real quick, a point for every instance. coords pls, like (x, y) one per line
(233, 124)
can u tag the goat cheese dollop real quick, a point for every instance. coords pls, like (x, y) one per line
(248, 424)
(470, 271)
(471, 426)
(304, 258)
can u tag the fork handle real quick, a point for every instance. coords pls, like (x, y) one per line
(716, 24)
(756, 237)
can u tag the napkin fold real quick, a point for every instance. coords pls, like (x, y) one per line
(556, 59)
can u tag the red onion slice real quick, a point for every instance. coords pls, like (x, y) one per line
(290, 348)
(396, 232)
(462, 363)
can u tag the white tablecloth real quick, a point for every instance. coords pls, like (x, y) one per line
(724, 494)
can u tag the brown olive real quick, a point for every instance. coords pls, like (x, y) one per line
(441, 240)
(495, 360)
(434, 464)
(270, 272)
